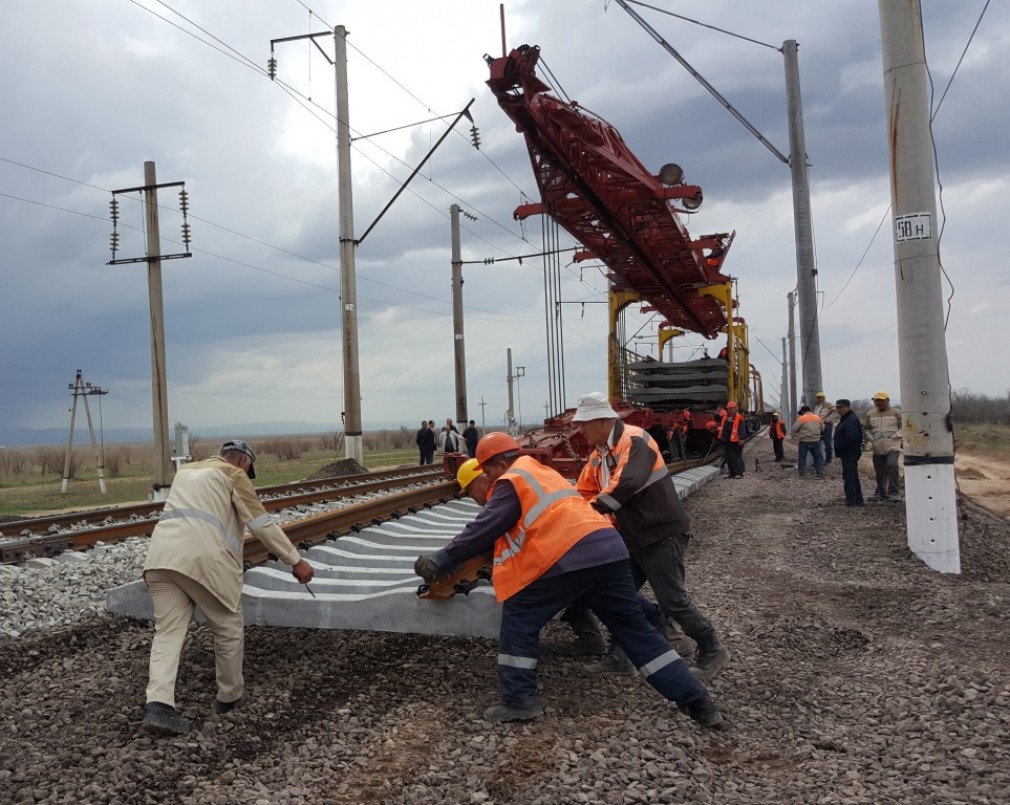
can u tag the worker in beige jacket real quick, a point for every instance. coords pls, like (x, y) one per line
(882, 429)
(195, 561)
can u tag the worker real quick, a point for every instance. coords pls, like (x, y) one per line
(849, 448)
(552, 550)
(626, 478)
(829, 416)
(730, 433)
(777, 433)
(807, 429)
(714, 257)
(882, 429)
(195, 561)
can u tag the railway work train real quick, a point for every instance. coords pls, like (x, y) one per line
(596, 189)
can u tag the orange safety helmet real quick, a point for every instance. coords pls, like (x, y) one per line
(494, 444)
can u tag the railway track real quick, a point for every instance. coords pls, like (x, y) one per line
(50, 536)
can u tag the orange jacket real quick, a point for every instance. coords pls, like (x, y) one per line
(554, 518)
(777, 431)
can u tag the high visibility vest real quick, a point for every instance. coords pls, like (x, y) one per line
(554, 518)
(607, 477)
(777, 430)
(734, 434)
(686, 424)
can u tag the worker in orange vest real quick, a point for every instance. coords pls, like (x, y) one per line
(552, 550)
(731, 432)
(777, 433)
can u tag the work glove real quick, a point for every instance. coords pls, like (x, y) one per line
(600, 507)
(427, 567)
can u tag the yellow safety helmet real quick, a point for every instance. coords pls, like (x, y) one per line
(467, 471)
(881, 395)
(820, 394)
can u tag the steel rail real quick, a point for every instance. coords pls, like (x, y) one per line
(289, 494)
(18, 550)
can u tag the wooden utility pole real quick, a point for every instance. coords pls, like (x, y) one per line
(930, 500)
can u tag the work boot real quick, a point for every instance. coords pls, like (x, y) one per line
(225, 707)
(674, 635)
(504, 712)
(161, 719)
(705, 713)
(616, 662)
(588, 640)
(711, 659)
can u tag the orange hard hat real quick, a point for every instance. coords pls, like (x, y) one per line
(494, 444)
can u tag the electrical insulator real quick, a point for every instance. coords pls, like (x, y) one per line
(114, 209)
(475, 137)
(272, 68)
(114, 242)
(489, 261)
(185, 235)
(184, 201)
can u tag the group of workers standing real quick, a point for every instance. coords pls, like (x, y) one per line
(835, 430)
(446, 440)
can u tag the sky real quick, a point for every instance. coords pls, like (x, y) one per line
(96, 88)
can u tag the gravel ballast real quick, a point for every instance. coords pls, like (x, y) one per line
(858, 676)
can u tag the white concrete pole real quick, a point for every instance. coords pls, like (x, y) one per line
(348, 280)
(159, 381)
(510, 413)
(930, 500)
(793, 408)
(457, 316)
(806, 272)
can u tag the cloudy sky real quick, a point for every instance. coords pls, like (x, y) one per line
(97, 87)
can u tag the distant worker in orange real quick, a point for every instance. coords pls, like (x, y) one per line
(552, 550)
(807, 430)
(777, 433)
(731, 433)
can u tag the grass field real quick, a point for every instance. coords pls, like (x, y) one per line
(32, 493)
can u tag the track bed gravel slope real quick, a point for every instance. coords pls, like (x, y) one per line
(858, 676)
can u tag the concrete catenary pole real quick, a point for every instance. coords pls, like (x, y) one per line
(784, 394)
(930, 501)
(159, 383)
(510, 413)
(457, 317)
(792, 358)
(348, 280)
(806, 273)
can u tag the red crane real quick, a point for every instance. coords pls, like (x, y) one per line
(598, 191)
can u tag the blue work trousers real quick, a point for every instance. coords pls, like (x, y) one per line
(609, 591)
(850, 479)
(814, 449)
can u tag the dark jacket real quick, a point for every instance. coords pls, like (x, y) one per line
(644, 501)
(849, 436)
(426, 439)
(471, 437)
